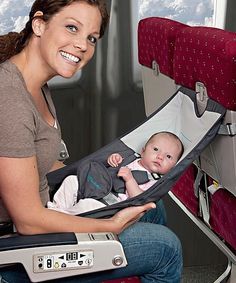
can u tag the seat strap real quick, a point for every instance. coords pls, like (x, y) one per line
(110, 199)
(228, 129)
(202, 193)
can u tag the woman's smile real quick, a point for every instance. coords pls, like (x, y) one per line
(69, 57)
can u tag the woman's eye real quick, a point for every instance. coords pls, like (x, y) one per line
(92, 39)
(72, 28)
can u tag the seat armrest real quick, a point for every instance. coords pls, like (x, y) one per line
(16, 241)
(59, 255)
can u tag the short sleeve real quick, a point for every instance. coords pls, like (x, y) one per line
(18, 123)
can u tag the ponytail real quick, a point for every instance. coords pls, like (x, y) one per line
(8, 45)
(13, 42)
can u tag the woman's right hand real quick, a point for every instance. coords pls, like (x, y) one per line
(128, 216)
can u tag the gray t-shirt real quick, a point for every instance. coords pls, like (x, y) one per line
(23, 131)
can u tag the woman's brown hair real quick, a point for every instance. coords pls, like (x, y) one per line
(13, 42)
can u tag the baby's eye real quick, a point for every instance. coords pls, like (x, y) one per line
(169, 156)
(72, 28)
(92, 39)
(155, 149)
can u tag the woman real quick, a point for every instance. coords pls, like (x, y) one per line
(59, 39)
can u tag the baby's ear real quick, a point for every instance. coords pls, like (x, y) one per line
(142, 151)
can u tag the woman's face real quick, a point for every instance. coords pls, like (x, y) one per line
(67, 41)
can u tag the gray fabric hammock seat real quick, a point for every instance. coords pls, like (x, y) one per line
(179, 115)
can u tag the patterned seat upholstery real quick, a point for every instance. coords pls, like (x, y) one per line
(223, 216)
(156, 42)
(208, 55)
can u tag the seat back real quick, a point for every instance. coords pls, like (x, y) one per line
(186, 56)
(207, 55)
(156, 41)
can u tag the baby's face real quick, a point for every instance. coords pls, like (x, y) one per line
(160, 154)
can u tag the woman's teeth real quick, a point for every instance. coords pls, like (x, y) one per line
(70, 57)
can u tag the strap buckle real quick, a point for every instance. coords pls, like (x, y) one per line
(155, 67)
(228, 129)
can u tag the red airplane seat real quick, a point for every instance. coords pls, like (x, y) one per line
(156, 41)
(182, 187)
(223, 216)
(207, 55)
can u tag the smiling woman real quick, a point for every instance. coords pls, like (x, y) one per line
(49, 45)
(18, 18)
(76, 44)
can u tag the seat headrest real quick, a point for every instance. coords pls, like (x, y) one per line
(156, 41)
(207, 55)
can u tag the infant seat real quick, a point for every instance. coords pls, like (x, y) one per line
(179, 115)
(204, 60)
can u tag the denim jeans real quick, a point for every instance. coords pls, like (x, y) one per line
(153, 253)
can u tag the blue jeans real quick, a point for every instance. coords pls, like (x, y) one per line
(153, 253)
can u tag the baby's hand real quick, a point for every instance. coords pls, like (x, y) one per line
(114, 159)
(125, 173)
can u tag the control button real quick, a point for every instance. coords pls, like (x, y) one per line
(49, 263)
(63, 265)
(117, 260)
(40, 265)
(88, 261)
(56, 265)
(80, 262)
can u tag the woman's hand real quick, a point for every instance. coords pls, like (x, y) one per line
(128, 216)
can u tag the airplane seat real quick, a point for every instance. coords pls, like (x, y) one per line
(223, 220)
(156, 41)
(204, 61)
(206, 56)
(58, 255)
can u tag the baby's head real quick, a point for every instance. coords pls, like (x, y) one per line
(161, 152)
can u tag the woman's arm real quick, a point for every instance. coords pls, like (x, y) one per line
(19, 190)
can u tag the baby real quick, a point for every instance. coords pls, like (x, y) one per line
(160, 153)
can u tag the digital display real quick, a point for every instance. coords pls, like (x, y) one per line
(72, 256)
